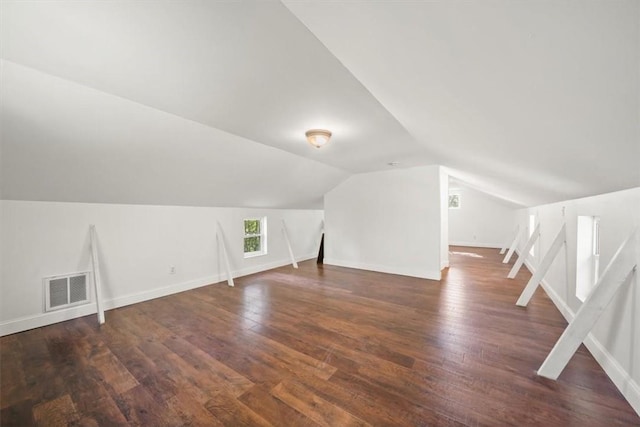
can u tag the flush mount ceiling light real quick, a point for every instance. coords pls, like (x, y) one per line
(318, 137)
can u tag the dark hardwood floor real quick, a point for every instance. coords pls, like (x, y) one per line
(315, 346)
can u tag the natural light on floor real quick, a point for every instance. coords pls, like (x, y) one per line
(469, 254)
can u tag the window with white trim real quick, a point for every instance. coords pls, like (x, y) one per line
(587, 255)
(255, 237)
(532, 227)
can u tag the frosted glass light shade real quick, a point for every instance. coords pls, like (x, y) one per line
(318, 137)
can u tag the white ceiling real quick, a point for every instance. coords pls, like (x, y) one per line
(206, 103)
(536, 101)
(62, 141)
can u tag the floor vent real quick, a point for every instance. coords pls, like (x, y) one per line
(66, 291)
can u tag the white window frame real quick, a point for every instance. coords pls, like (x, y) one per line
(587, 263)
(596, 249)
(262, 235)
(533, 219)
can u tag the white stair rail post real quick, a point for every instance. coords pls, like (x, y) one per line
(525, 251)
(618, 273)
(506, 244)
(288, 242)
(532, 285)
(512, 248)
(95, 263)
(225, 257)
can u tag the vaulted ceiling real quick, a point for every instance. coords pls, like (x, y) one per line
(206, 103)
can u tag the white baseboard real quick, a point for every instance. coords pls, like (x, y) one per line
(30, 322)
(621, 378)
(627, 386)
(423, 274)
(477, 245)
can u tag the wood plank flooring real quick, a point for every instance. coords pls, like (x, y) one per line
(321, 345)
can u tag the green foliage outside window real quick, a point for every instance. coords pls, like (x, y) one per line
(251, 226)
(252, 238)
(454, 201)
(251, 244)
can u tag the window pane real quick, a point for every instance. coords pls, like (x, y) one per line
(251, 226)
(596, 236)
(454, 201)
(532, 227)
(586, 265)
(252, 244)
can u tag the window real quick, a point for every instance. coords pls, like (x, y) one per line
(454, 201)
(596, 236)
(532, 227)
(587, 255)
(255, 237)
(596, 249)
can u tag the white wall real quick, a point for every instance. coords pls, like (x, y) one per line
(386, 221)
(482, 220)
(137, 244)
(615, 339)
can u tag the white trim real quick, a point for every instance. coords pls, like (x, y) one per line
(30, 322)
(504, 248)
(286, 239)
(262, 235)
(528, 250)
(476, 245)
(95, 265)
(225, 254)
(618, 273)
(513, 248)
(627, 386)
(422, 274)
(558, 243)
(622, 380)
(255, 253)
(583, 322)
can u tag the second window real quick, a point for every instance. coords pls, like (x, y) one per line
(255, 237)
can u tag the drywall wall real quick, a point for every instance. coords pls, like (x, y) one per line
(386, 221)
(615, 339)
(482, 220)
(138, 244)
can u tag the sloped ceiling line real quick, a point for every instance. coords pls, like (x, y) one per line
(62, 141)
(533, 102)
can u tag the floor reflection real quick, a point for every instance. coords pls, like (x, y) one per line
(256, 304)
(469, 254)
